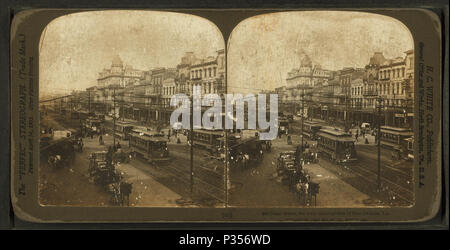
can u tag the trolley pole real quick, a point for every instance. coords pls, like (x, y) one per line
(379, 100)
(89, 103)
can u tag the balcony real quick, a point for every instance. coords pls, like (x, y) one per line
(370, 93)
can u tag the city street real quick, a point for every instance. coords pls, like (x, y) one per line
(153, 184)
(340, 186)
(261, 187)
(169, 184)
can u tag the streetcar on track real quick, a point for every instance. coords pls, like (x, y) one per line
(410, 148)
(394, 138)
(206, 138)
(149, 145)
(310, 129)
(246, 152)
(59, 142)
(74, 115)
(122, 130)
(283, 125)
(93, 125)
(337, 145)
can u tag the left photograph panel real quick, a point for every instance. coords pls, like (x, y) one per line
(109, 83)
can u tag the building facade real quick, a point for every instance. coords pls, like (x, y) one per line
(120, 75)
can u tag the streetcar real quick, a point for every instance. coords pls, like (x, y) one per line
(83, 115)
(99, 116)
(310, 129)
(206, 138)
(93, 125)
(283, 125)
(410, 148)
(337, 145)
(246, 152)
(58, 143)
(394, 138)
(75, 115)
(122, 130)
(150, 146)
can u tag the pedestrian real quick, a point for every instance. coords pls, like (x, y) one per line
(356, 136)
(168, 135)
(125, 191)
(100, 139)
(80, 144)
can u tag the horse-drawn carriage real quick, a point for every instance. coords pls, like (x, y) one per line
(103, 172)
(246, 152)
(291, 172)
(285, 163)
(57, 151)
(307, 154)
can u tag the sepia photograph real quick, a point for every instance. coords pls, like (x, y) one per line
(344, 83)
(105, 88)
(335, 89)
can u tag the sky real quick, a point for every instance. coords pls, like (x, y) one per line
(261, 50)
(75, 48)
(264, 48)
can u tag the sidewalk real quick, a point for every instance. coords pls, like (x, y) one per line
(334, 192)
(147, 192)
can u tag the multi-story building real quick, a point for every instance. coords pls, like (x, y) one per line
(183, 70)
(119, 75)
(301, 83)
(356, 93)
(396, 88)
(208, 74)
(349, 96)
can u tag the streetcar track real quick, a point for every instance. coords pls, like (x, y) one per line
(362, 173)
(399, 188)
(184, 176)
(400, 179)
(386, 166)
(200, 177)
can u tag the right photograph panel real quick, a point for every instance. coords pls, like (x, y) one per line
(337, 89)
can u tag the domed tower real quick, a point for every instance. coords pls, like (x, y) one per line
(117, 65)
(305, 61)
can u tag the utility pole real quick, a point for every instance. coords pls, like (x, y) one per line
(303, 116)
(379, 100)
(191, 139)
(114, 117)
(89, 103)
(347, 89)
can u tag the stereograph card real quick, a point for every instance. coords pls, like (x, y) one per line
(226, 115)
